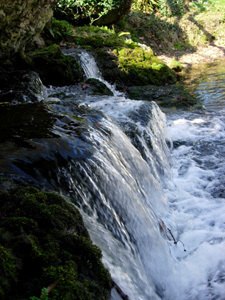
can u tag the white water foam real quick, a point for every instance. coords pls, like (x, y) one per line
(197, 203)
(195, 214)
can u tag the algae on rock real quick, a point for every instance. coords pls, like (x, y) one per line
(43, 241)
(55, 68)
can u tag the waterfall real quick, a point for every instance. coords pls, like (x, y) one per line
(122, 203)
(121, 198)
(157, 217)
(90, 67)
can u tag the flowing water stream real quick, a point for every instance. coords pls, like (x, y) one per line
(150, 186)
(196, 193)
(163, 236)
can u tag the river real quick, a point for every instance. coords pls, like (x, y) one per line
(196, 193)
(149, 185)
(189, 262)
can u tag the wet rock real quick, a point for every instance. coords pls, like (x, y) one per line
(165, 96)
(21, 86)
(97, 87)
(54, 67)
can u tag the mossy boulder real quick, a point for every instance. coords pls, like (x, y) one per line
(141, 66)
(43, 242)
(54, 67)
(164, 96)
(20, 22)
(97, 87)
(127, 67)
(123, 61)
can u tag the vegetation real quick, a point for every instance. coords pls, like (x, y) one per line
(54, 67)
(122, 60)
(43, 243)
(87, 11)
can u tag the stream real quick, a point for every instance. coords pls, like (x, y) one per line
(189, 209)
(150, 186)
(196, 193)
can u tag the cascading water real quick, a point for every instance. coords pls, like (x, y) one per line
(196, 195)
(109, 156)
(155, 249)
(122, 202)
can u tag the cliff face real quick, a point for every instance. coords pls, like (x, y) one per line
(20, 21)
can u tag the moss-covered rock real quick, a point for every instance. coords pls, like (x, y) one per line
(121, 60)
(20, 21)
(43, 241)
(55, 68)
(140, 66)
(97, 87)
(164, 96)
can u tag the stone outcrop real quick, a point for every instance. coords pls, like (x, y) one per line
(79, 15)
(20, 22)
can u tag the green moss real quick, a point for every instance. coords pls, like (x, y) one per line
(98, 87)
(166, 96)
(142, 67)
(8, 270)
(54, 67)
(43, 241)
(121, 59)
(59, 31)
(97, 37)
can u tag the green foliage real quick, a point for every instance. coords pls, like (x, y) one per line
(92, 9)
(164, 7)
(201, 5)
(172, 7)
(146, 6)
(60, 30)
(8, 269)
(44, 295)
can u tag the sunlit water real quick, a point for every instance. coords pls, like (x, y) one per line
(196, 193)
(139, 196)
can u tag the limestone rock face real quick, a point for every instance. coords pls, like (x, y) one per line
(20, 21)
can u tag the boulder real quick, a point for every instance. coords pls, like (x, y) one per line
(20, 22)
(97, 87)
(173, 95)
(54, 67)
